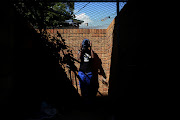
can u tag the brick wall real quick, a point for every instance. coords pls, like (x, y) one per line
(109, 45)
(101, 39)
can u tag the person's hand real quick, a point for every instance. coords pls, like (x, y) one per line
(80, 46)
(90, 44)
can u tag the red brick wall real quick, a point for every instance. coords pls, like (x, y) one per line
(109, 45)
(101, 44)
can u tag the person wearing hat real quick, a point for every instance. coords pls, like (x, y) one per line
(85, 56)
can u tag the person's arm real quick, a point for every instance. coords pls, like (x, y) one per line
(79, 53)
(92, 53)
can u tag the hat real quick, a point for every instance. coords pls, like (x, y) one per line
(85, 43)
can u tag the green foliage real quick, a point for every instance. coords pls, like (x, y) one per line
(45, 14)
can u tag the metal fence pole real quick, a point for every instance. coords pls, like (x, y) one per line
(117, 6)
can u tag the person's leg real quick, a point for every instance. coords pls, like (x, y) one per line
(88, 77)
(88, 80)
(82, 76)
(82, 84)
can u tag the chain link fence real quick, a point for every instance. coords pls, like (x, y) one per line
(95, 15)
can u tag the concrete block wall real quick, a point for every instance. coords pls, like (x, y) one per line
(101, 39)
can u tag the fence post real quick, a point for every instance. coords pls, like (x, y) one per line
(117, 6)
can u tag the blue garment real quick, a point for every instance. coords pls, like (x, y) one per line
(85, 43)
(85, 82)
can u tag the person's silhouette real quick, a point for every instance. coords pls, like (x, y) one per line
(85, 71)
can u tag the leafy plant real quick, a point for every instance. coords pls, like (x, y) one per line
(44, 15)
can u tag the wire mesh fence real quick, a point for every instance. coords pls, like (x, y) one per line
(96, 15)
(64, 15)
